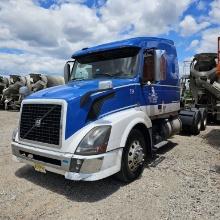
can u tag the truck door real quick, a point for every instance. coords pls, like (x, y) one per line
(154, 72)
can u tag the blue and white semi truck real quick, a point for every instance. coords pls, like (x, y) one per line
(121, 101)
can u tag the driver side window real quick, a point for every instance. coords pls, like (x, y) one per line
(155, 66)
(148, 71)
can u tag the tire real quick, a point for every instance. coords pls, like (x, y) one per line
(187, 118)
(134, 154)
(203, 118)
(211, 118)
(197, 122)
(2, 106)
(6, 107)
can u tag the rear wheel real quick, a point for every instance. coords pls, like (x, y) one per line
(133, 157)
(203, 118)
(6, 106)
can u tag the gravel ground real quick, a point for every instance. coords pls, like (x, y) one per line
(183, 182)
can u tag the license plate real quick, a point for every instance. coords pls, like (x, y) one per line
(39, 168)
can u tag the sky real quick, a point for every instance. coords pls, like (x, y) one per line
(41, 35)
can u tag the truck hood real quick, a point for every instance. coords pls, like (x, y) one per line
(74, 89)
(77, 116)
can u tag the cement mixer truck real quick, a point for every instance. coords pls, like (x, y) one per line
(203, 89)
(4, 82)
(22, 86)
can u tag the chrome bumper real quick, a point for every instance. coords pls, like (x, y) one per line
(65, 164)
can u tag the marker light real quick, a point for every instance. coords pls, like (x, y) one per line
(14, 134)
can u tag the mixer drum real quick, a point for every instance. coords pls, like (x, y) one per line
(203, 67)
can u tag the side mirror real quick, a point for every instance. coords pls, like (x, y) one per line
(159, 65)
(67, 72)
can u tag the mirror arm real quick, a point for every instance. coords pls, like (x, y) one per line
(143, 83)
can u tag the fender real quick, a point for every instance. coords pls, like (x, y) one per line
(140, 119)
(123, 122)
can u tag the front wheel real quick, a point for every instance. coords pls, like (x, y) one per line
(133, 157)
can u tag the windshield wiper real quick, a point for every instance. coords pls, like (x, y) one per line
(104, 74)
(119, 74)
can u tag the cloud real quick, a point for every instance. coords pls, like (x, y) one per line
(201, 5)
(148, 17)
(208, 42)
(48, 35)
(189, 26)
(26, 63)
(214, 12)
(34, 25)
(193, 45)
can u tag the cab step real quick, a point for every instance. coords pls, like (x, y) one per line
(159, 145)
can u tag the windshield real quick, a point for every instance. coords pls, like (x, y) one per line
(118, 63)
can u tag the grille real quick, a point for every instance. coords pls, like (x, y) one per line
(41, 123)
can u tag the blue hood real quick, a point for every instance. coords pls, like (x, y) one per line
(75, 89)
(78, 115)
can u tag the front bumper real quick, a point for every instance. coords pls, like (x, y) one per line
(73, 167)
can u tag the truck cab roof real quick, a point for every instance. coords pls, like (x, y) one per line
(133, 42)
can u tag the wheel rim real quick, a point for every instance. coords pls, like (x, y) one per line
(199, 125)
(135, 155)
(205, 121)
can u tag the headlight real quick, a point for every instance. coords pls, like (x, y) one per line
(95, 141)
(14, 134)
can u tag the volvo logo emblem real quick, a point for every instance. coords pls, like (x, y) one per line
(37, 123)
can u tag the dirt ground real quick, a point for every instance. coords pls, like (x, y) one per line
(183, 182)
